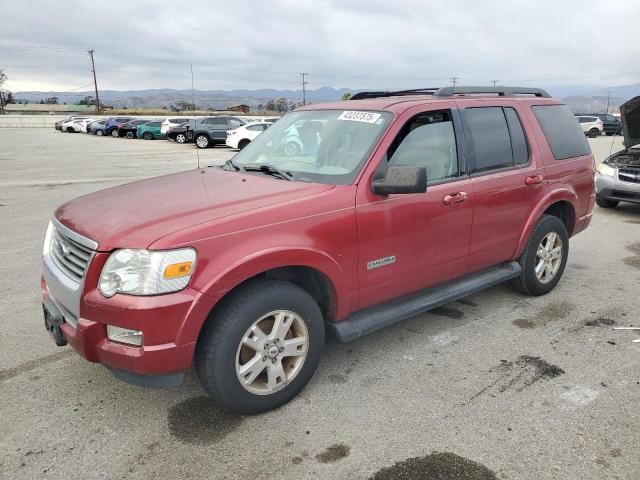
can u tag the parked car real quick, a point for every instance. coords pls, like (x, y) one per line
(173, 122)
(213, 130)
(610, 124)
(113, 123)
(129, 129)
(271, 119)
(242, 136)
(85, 124)
(97, 128)
(412, 200)
(618, 177)
(149, 130)
(72, 126)
(183, 133)
(591, 126)
(59, 123)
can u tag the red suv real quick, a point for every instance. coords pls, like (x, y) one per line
(349, 215)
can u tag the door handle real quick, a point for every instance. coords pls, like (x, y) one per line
(533, 180)
(454, 198)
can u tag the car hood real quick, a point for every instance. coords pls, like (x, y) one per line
(137, 214)
(630, 116)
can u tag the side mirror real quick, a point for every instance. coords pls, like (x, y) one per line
(401, 179)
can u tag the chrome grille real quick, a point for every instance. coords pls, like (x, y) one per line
(72, 257)
(631, 175)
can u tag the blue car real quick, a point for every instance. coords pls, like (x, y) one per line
(111, 127)
(97, 128)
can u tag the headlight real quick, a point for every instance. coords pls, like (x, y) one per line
(144, 272)
(47, 239)
(605, 169)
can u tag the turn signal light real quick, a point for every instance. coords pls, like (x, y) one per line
(176, 270)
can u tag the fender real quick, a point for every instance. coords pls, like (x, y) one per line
(556, 195)
(258, 262)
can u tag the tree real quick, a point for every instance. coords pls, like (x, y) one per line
(87, 101)
(3, 78)
(181, 106)
(51, 101)
(8, 98)
(346, 96)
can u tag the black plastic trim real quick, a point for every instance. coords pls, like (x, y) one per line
(394, 311)
(169, 380)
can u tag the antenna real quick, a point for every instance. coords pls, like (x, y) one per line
(304, 92)
(195, 115)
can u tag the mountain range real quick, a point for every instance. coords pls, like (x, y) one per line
(580, 98)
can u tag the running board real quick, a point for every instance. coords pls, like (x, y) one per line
(377, 317)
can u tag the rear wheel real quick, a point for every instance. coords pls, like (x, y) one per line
(115, 133)
(202, 141)
(243, 143)
(594, 132)
(99, 133)
(130, 135)
(147, 136)
(181, 138)
(544, 257)
(260, 347)
(70, 130)
(605, 203)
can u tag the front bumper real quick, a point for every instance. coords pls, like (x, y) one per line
(612, 188)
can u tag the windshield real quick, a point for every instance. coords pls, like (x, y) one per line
(322, 146)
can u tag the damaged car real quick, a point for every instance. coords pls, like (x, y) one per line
(618, 177)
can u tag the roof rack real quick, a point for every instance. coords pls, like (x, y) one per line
(451, 91)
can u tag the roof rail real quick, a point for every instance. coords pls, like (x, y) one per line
(450, 91)
(500, 91)
(398, 93)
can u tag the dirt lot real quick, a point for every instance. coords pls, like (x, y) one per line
(497, 385)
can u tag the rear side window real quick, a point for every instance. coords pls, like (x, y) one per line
(487, 127)
(518, 140)
(564, 135)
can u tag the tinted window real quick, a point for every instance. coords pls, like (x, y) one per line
(564, 135)
(489, 138)
(518, 140)
(256, 128)
(429, 141)
(582, 120)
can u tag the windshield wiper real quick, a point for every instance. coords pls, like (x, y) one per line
(235, 166)
(268, 170)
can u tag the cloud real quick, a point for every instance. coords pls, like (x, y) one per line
(352, 43)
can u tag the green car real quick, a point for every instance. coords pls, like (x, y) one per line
(149, 130)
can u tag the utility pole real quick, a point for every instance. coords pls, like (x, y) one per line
(1, 101)
(304, 90)
(95, 82)
(495, 82)
(453, 81)
(608, 98)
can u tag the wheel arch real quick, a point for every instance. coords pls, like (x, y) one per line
(559, 203)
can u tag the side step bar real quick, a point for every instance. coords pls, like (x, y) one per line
(377, 317)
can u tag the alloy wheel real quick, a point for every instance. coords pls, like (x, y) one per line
(548, 257)
(272, 352)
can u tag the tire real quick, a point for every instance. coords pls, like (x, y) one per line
(609, 134)
(70, 130)
(529, 282)
(243, 143)
(218, 357)
(147, 136)
(130, 135)
(290, 149)
(605, 203)
(99, 133)
(115, 133)
(181, 138)
(202, 141)
(594, 132)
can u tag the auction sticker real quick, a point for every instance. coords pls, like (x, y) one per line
(354, 116)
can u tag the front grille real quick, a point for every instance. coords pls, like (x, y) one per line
(631, 175)
(72, 257)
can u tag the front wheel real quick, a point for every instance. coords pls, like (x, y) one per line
(260, 347)
(115, 133)
(544, 257)
(605, 203)
(202, 141)
(70, 130)
(147, 135)
(181, 138)
(130, 135)
(594, 132)
(99, 133)
(243, 143)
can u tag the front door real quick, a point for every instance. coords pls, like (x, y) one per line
(409, 242)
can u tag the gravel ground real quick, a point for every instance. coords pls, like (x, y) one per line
(497, 385)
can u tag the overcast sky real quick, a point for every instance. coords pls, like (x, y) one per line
(343, 43)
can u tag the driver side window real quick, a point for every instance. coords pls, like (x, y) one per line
(428, 140)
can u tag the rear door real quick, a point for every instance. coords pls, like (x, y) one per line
(507, 178)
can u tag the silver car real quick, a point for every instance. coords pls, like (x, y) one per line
(618, 177)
